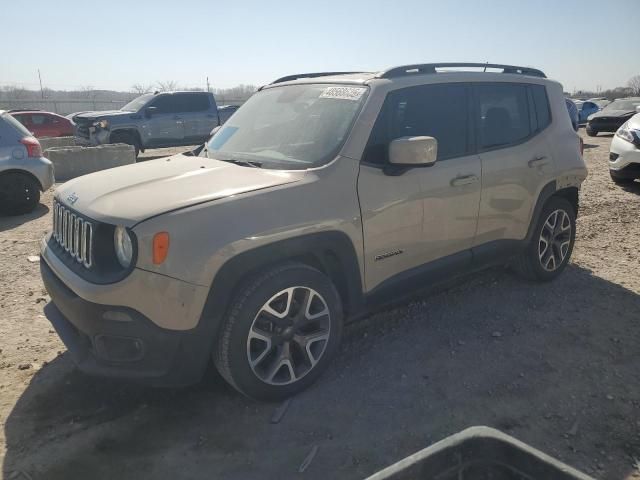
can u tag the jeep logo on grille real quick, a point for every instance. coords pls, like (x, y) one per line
(73, 198)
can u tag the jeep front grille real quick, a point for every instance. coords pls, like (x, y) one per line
(73, 233)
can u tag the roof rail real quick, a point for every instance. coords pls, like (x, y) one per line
(422, 68)
(309, 75)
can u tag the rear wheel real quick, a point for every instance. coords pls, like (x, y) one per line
(126, 137)
(550, 248)
(19, 194)
(281, 331)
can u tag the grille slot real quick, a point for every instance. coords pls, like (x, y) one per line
(73, 233)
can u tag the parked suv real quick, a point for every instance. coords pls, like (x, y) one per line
(323, 196)
(24, 172)
(152, 120)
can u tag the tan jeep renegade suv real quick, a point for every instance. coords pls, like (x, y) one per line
(323, 195)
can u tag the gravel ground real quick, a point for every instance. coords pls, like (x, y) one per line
(555, 365)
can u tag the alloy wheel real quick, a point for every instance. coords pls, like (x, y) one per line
(289, 335)
(555, 240)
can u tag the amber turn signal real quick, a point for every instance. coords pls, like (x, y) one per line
(160, 247)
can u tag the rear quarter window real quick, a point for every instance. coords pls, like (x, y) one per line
(14, 125)
(541, 105)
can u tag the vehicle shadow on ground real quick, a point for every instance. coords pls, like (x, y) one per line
(552, 364)
(10, 222)
(588, 146)
(632, 187)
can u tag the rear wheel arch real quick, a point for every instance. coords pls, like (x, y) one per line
(25, 173)
(570, 193)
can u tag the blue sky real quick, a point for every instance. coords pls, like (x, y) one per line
(582, 43)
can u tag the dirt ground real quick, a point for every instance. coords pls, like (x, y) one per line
(555, 365)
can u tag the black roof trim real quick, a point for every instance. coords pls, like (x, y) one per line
(296, 76)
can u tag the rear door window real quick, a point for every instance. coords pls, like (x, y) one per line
(24, 118)
(193, 102)
(502, 115)
(38, 119)
(439, 111)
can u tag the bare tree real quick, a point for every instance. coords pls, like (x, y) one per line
(167, 86)
(88, 91)
(141, 89)
(18, 93)
(634, 85)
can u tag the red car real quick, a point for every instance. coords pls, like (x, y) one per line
(44, 124)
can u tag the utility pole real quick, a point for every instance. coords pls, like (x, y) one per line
(208, 89)
(40, 78)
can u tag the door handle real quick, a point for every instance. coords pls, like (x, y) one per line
(177, 117)
(538, 162)
(464, 180)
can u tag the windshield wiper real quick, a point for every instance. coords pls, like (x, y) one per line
(244, 163)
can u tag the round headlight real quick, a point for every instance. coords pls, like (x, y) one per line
(123, 246)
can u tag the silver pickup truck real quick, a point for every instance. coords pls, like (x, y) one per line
(153, 120)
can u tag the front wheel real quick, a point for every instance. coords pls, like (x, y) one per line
(127, 138)
(281, 331)
(591, 132)
(549, 251)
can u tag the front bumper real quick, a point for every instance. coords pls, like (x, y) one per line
(623, 155)
(91, 138)
(607, 124)
(120, 342)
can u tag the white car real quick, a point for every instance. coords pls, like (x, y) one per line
(624, 154)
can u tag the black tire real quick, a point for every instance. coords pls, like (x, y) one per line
(591, 132)
(19, 193)
(621, 180)
(529, 264)
(231, 356)
(126, 137)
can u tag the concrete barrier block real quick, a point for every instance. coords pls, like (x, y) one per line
(50, 142)
(71, 162)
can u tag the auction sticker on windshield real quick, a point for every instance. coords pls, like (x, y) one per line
(343, 93)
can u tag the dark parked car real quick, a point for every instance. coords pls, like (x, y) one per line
(611, 117)
(44, 124)
(153, 120)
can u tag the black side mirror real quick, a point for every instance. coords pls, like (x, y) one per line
(149, 111)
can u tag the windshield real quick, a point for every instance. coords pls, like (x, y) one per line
(290, 127)
(138, 103)
(629, 105)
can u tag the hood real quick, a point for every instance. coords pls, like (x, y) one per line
(100, 114)
(612, 113)
(127, 195)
